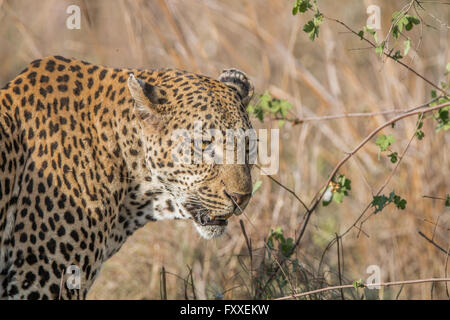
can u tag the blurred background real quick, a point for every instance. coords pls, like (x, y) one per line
(333, 75)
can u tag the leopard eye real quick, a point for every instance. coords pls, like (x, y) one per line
(206, 143)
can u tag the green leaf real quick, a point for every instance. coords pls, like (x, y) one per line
(413, 19)
(309, 26)
(395, 15)
(397, 55)
(420, 134)
(433, 94)
(407, 47)
(384, 141)
(361, 34)
(447, 67)
(304, 6)
(336, 191)
(338, 197)
(380, 48)
(344, 183)
(400, 203)
(358, 284)
(408, 26)
(301, 6)
(312, 26)
(267, 104)
(447, 201)
(380, 202)
(393, 156)
(256, 111)
(284, 245)
(372, 32)
(442, 117)
(256, 186)
(396, 31)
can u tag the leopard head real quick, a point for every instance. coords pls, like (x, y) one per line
(191, 126)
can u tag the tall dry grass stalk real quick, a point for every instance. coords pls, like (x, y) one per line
(334, 75)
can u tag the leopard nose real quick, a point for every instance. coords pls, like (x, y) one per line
(240, 199)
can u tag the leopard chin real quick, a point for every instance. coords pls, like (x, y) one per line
(209, 232)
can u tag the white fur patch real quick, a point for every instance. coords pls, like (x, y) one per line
(210, 232)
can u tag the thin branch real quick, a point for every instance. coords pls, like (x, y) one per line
(250, 253)
(339, 265)
(284, 187)
(445, 273)
(433, 197)
(387, 54)
(368, 285)
(400, 158)
(316, 202)
(163, 287)
(435, 2)
(354, 225)
(433, 243)
(296, 121)
(370, 136)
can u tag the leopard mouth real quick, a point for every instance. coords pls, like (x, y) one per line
(203, 216)
(206, 220)
(208, 226)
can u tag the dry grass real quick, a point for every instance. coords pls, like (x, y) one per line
(321, 78)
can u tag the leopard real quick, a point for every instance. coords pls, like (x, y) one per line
(87, 158)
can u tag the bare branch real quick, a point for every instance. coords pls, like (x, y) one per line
(433, 243)
(367, 285)
(387, 54)
(316, 202)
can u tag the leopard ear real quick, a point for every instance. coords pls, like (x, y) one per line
(147, 97)
(238, 80)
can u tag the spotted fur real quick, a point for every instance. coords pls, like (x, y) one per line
(85, 160)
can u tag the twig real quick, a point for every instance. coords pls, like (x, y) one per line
(359, 146)
(370, 136)
(284, 187)
(436, 2)
(400, 291)
(61, 286)
(400, 158)
(445, 273)
(316, 202)
(192, 283)
(339, 265)
(250, 251)
(296, 121)
(354, 225)
(387, 54)
(433, 197)
(279, 264)
(163, 289)
(433, 243)
(368, 285)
